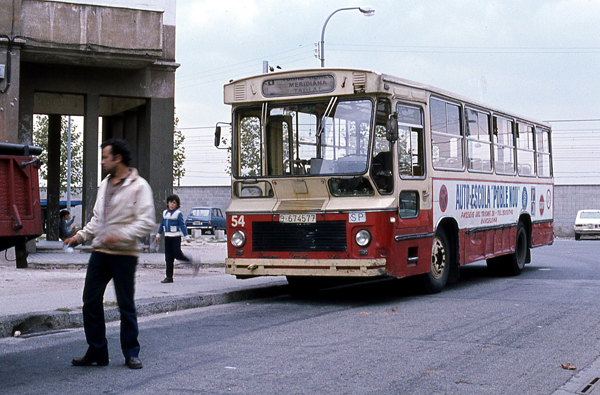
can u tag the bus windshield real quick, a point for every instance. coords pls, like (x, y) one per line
(309, 138)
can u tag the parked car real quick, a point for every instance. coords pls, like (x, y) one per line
(587, 223)
(208, 219)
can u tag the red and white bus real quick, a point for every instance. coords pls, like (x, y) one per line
(352, 173)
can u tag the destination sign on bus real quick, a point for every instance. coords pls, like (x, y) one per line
(309, 85)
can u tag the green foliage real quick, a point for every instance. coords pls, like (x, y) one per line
(249, 147)
(178, 154)
(40, 138)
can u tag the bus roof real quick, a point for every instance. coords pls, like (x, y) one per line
(380, 77)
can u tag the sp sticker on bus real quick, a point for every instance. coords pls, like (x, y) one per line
(358, 217)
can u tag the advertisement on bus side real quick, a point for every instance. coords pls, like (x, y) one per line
(477, 204)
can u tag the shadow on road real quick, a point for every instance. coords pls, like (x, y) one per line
(366, 292)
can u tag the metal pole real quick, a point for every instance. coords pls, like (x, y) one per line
(367, 11)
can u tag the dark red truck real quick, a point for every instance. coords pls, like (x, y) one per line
(20, 211)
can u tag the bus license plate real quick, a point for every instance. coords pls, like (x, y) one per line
(298, 218)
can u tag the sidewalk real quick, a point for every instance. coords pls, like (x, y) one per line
(47, 295)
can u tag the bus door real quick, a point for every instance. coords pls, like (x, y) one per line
(413, 234)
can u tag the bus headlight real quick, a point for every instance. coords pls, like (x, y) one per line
(238, 239)
(363, 238)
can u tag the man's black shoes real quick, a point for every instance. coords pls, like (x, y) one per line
(133, 363)
(87, 360)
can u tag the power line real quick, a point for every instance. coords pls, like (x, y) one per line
(574, 120)
(462, 50)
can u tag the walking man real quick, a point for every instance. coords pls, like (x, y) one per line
(123, 213)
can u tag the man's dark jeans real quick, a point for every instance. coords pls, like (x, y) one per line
(101, 269)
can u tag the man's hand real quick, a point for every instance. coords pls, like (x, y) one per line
(71, 242)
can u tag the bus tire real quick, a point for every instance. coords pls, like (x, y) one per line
(497, 264)
(441, 262)
(516, 260)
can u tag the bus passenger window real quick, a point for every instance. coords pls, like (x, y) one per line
(446, 136)
(504, 146)
(479, 143)
(544, 158)
(410, 142)
(408, 204)
(525, 152)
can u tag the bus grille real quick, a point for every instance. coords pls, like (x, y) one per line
(320, 236)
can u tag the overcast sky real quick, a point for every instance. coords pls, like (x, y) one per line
(536, 58)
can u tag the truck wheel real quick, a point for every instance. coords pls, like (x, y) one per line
(21, 255)
(441, 260)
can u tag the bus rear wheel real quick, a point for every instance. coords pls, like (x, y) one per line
(516, 261)
(512, 264)
(439, 269)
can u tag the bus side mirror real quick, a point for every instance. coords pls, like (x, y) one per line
(217, 136)
(392, 128)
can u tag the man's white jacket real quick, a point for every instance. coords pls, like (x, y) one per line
(130, 217)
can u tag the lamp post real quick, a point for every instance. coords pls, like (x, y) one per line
(366, 11)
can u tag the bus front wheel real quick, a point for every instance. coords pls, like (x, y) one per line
(439, 270)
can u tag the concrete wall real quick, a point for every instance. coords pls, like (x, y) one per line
(568, 199)
(206, 196)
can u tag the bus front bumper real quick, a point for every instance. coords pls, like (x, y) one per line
(248, 267)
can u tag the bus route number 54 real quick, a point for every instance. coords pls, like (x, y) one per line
(237, 220)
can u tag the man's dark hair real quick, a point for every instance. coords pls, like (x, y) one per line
(174, 198)
(119, 147)
(64, 213)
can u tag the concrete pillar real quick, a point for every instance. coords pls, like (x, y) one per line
(9, 93)
(155, 161)
(90, 155)
(130, 133)
(53, 188)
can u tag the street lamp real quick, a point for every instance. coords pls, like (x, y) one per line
(366, 10)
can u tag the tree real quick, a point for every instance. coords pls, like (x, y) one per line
(40, 138)
(250, 164)
(178, 154)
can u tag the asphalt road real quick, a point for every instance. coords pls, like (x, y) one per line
(482, 335)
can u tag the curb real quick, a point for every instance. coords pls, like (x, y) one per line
(31, 324)
(140, 265)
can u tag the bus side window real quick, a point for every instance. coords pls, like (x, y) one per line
(525, 151)
(382, 165)
(410, 152)
(504, 146)
(446, 135)
(408, 204)
(410, 142)
(544, 158)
